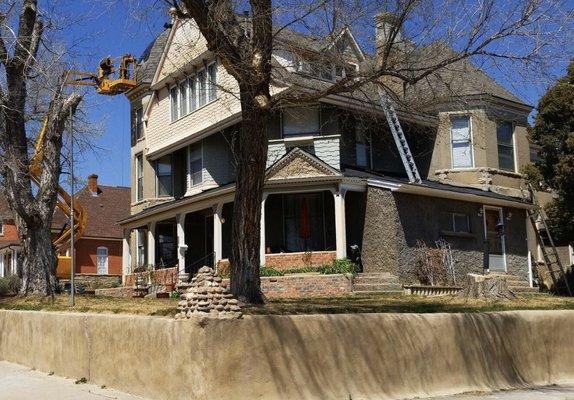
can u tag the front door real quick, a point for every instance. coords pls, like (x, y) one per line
(493, 223)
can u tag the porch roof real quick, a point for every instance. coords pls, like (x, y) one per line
(437, 189)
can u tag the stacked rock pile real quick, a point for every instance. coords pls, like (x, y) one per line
(208, 296)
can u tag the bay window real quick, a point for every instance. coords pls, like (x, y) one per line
(461, 142)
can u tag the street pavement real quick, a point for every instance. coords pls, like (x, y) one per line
(21, 383)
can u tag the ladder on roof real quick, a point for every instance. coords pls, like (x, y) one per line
(551, 257)
(400, 139)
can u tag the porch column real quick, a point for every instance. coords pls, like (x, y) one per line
(151, 244)
(217, 233)
(340, 228)
(126, 254)
(262, 250)
(181, 246)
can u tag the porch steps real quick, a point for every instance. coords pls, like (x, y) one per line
(382, 282)
(520, 286)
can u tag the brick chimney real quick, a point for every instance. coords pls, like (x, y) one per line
(93, 184)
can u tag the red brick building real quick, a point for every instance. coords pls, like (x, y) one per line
(99, 250)
(9, 240)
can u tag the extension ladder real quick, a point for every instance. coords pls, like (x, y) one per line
(551, 258)
(400, 139)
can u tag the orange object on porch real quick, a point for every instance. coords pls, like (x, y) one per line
(305, 221)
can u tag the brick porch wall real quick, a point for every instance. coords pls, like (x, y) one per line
(297, 260)
(302, 286)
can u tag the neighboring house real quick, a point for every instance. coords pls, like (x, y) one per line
(9, 241)
(99, 250)
(334, 176)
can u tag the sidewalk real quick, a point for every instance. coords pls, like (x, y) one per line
(562, 392)
(17, 383)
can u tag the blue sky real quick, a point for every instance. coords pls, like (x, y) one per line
(99, 28)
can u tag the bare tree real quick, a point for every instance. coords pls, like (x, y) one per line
(22, 34)
(422, 46)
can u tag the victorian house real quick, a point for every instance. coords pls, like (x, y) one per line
(336, 185)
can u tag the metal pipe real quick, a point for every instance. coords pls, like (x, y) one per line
(72, 241)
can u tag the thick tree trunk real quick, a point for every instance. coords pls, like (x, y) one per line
(38, 260)
(251, 155)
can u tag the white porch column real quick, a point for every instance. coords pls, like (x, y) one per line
(126, 254)
(151, 244)
(217, 232)
(181, 246)
(262, 249)
(340, 227)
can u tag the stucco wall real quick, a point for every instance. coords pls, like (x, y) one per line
(394, 222)
(363, 356)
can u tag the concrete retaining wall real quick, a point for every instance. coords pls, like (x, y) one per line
(365, 356)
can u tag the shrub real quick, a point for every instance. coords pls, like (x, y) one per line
(344, 266)
(10, 285)
(270, 271)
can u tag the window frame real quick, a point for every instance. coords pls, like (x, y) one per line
(106, 259)
(466, 216)
(190, 183)
(139, 125)
(139, 176)
(367, 146)
(1, 226)
(512, 145)
(192, 100)
(141, 233)
(470, 141)
(157, 176)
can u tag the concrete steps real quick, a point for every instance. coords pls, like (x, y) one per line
(371, 283)
(520, 286)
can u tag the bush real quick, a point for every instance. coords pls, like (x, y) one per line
(344, 266)
(270, 271)
(10, 285)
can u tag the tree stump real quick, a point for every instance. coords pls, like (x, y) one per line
(487, 287)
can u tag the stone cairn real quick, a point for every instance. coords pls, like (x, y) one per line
(208, 296)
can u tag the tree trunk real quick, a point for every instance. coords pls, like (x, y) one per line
(38, 262)
(251, 154)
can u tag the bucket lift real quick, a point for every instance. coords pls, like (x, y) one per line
(109, 82)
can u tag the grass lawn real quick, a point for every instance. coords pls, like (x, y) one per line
(383, 303)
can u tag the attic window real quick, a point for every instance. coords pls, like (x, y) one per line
(327, 70)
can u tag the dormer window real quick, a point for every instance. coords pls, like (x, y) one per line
(505, 139)
(461, 142)
(193, 92)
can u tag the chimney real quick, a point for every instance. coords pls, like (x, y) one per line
(384, 22)
(93, 184)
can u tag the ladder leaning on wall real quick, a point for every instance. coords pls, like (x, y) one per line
(400, 139)
(549, 252)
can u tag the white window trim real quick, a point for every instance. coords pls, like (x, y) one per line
(189, 183)
(1, 227)
(139, 196)
(187, 78)
(142, 136)
(106, 259)
(457, 214)
(514, 154)
(157, 178)
(137, 248)
(470, 126)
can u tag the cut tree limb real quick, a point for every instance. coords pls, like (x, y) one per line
(487, 287)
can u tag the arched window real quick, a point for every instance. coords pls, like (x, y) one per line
(102, 260)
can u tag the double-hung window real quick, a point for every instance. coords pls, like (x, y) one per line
(102, 260)
(504, 136)
(461, 142)
(193, 92)
(195, 164)
(139, 177)
(455, 222)
(362, 148)
(301, 121)
(164, 176)
(141, 236)
(139, 123)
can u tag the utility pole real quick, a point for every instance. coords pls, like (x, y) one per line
(72, 222)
